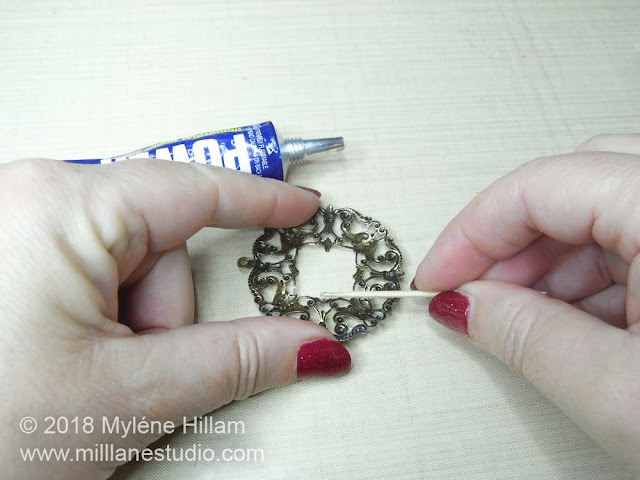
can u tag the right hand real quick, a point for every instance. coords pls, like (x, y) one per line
(568, 225)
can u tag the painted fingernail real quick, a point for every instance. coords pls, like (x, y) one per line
(322, 358)
(451, 309)
(413, 284)
(315, 192)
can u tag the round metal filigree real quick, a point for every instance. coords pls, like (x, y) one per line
(377, 261)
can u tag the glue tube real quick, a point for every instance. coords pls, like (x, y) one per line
(253, 149)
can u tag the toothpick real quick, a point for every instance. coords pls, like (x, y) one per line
(378, 294)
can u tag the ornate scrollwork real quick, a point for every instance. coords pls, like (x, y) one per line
(272, 280)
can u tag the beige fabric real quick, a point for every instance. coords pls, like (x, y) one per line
(435, 101)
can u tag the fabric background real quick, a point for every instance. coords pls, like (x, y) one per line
(435, 101)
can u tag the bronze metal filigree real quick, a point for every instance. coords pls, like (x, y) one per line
(272, 280)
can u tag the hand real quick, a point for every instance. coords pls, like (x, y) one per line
(569, 226)
(92, 258)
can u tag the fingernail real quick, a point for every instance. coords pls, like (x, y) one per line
(322, 358)
(413, 284)
(451, 309)
(315, 192)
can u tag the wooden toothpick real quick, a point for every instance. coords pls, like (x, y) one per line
(378, 294)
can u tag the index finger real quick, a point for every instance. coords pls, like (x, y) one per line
(173, 200)
(577, 199)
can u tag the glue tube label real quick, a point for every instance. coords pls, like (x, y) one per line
(253, 149)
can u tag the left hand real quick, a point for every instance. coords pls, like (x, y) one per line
(93, 258)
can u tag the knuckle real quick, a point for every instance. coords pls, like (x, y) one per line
(214, 194)
(247, 364)
(518, 337)
(270, 208)
(25, 183)
(594, 142)
(539, 169)
(32, 179)
(118, 223)
(39, 171)
(18, 174)
(535, 163)
(118, 231)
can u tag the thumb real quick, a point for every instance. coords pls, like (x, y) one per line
(579, 362)
(192, 370)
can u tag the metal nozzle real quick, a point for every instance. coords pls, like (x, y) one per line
(295, 150)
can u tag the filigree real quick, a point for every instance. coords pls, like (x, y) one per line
(272, 280)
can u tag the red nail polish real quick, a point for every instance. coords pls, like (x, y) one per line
(315, 192)
(322, 358)
(451, 309)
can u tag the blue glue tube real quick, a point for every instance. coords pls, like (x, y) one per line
(253, 149)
